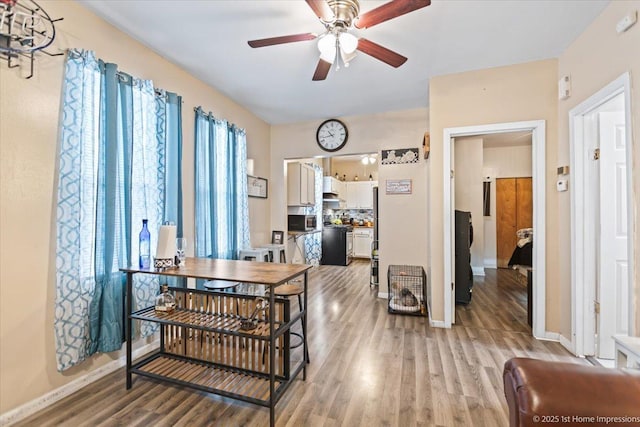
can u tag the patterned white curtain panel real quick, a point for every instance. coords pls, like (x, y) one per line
(112, 174)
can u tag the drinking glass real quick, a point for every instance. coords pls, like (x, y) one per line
(181, 247)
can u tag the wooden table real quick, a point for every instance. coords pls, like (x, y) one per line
(201, 343)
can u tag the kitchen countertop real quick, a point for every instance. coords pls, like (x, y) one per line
(297, 234)
(349, 225)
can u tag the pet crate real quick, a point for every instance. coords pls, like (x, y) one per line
(407, 290)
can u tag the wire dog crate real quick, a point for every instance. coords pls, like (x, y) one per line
(407, 290)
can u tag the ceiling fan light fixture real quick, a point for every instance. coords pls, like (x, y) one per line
(327, 47)
(347, 57)
(348, 42)
(368, 160)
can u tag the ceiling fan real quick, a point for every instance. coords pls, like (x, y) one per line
(337, 43)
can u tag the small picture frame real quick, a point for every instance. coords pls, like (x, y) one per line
(398, 186)
(257, 187)
(277, 237)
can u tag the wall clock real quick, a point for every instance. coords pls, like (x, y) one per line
(332, 135)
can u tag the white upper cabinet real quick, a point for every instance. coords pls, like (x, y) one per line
(301, 184)
(332, 185)
(360, 194)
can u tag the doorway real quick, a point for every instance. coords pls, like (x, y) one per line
(602, 220)
(537, 129)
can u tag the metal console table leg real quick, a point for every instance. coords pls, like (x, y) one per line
(128, 326)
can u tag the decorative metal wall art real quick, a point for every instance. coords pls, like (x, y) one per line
(25, 28)
(400, 156)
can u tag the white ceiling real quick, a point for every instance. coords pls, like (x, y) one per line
(209, 39)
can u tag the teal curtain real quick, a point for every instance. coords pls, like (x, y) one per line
(119, 162)
(222, 209)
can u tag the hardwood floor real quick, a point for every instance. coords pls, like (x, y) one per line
(368, 368)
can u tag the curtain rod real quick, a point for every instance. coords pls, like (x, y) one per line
(210, 114)
(123, 75)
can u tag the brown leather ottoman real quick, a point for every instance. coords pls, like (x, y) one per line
(540, 392)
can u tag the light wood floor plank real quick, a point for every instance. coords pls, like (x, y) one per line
(368, 367)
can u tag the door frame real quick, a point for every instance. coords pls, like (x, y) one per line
(581, 302)
(538, 141)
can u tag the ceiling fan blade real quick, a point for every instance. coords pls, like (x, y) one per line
(322, 10)
(321, 70)
(282, 39)
(390, 10)
(381, 53)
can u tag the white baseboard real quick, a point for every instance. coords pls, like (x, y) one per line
(384, 295)
(436, 323)
(549, 336)
(490, 264)
(39, 403)
(478, 271)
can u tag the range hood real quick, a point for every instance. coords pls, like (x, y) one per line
(330, 198)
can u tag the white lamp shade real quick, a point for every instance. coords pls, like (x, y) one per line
(327, 48)
(346, 57)
(348, 42)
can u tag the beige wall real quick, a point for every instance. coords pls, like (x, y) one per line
(468, 191)
(403, 218)
(497, 95)
(28, 132)
(594, 59)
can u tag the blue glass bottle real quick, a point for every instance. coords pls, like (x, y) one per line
(145, 246)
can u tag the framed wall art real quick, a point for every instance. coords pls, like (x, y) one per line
(277, 237)
(398, 186)
(257, 187)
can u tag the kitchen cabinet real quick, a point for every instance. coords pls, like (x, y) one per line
(335, 192)
(360, 194)
(362, 240)
(330, 185)
(301, 185)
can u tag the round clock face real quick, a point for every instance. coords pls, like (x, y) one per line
(332, 135)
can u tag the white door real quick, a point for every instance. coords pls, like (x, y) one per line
(612, 288)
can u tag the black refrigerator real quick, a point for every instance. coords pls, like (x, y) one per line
(463, 271)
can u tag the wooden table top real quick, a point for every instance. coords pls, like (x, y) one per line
(266, 273)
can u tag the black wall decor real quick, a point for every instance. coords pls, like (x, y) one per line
(400, 156)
